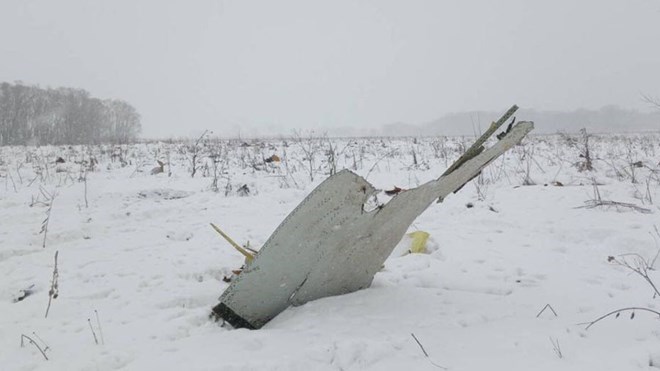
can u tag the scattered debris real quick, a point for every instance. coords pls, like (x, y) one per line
(273, 158)
(158, 169)
(418, 245)
(501, 135)
(394, 191)
(417, 242)
(243, 190)
(24, 293)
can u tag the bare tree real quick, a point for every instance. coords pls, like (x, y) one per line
(309, 145)
(653, 101)
(194, 151)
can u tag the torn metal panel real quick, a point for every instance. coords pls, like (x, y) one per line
(330, 246)
(269, 283)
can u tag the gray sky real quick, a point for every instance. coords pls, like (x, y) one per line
(276, 65)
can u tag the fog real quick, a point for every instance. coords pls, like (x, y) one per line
(267, 67)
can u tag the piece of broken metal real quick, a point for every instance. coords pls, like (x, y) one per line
(329, 245)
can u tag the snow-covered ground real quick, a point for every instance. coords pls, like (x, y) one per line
(136, 255)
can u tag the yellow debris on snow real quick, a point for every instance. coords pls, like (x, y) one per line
(418, 245)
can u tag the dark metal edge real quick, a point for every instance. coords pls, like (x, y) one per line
(221, 311)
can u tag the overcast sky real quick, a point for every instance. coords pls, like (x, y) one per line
(271, 66)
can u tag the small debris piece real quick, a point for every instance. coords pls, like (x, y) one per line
(59, 160)
(394, 191)
(158, 169)
(501, 135)
(243, 191)
(22, 294)
(419, 239)
(273, 158)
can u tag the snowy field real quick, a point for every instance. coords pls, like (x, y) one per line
(139, 267)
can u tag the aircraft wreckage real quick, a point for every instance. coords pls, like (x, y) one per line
(329, 245)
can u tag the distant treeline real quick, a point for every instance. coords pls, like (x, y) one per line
(608, 119)
(34, 115)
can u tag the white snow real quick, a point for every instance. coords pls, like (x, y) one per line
(143, 257)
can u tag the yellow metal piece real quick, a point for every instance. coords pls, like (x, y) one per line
(246, 253)
(418, 245)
